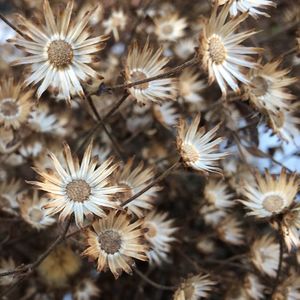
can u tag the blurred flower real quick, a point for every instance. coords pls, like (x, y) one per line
(117, 21)
(142, 64)
(271, 195)
(265, 255)
(86, 289)
(194, 288)
(59, 266)
(249, 6)
(61, 51)
(216, 193)
(114, 242)
(190, 86)
(221, 53)
(160, 235)
(289, 289)
(133, 180)
(253, 287)
(80, 189)
(170, 27)
(268, 88)
(166, 114)
(32, 211)
(230, 230)
(9, 192)
(198, 147)
(15, 103)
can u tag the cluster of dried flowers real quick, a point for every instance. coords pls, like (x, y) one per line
(134, 138)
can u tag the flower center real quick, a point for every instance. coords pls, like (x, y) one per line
(60, 54)
(78, 190)
(273, 203)
(189, 291)
(210, 196)
(123, 196)
(9, 108)
(216, 49)
(167, 29)
(137, 76)
(36, 215)
(110, 241)
(260, 86)
(189, 153)
(152, 230)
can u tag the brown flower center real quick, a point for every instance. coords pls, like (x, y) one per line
(167, 29)
(60, 53)
(9, 108)
(189, 153)
(137, 76)
(189, 290)
(78, 190)
(152, 230)
(260, 86)
(110, 241)
(36, 214)
(210, 197)
(273, 203)
(216, 49)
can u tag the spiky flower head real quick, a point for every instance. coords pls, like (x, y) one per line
(220, 51)
(59, 52)
(81, 189)
(114, 242)
(198, 147)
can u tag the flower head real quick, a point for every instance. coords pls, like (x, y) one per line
(221, 53)
(142, 64)
(114, 242)
(117, 21)
(230, 230)
(268, 87)
(15, 103)
(33, 212)
(166, 114)
(60, 51)
(160, 235)
(133, 180)
(170, 27)
(5, 266)
(271, 195)
(265, 255)
(80, 189)
(198, 147)
(86, 289)
(194, 288)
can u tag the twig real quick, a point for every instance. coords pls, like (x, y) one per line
(28, 269)
(153, 283)
(170, 73)
(100, 120)
(155, 181)
(279, 269)
(5, 20)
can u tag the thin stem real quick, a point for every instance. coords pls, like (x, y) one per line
(99, 118)
(154, 182)
(170, 73)
(153, 283)
(5, 20)
(116, 106)
(279, 269)
(289, 52)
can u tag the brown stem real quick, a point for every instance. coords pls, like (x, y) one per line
(153, 283)
(100, 120)
(28, 269)
(279, 269)
(170, 73)
(154, 182)
(5, 20)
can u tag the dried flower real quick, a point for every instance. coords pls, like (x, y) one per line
(80, 189)
(117, 21)
(160, 235)
(198, 147)
(85, 290)
(61, 51)
(271, 195)
(114, 242)
(15, 103)
(221, 53)
(142, 64)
